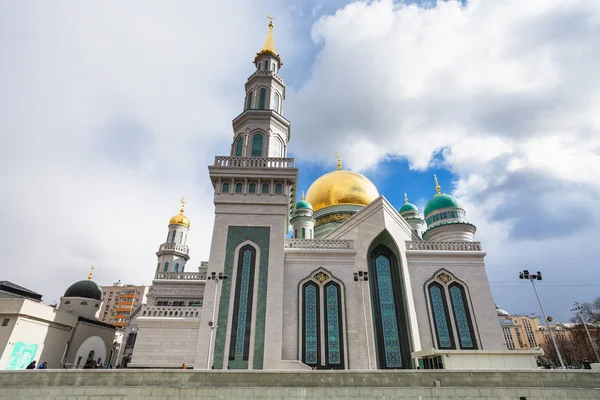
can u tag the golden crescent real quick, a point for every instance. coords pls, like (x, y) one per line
(182, 200)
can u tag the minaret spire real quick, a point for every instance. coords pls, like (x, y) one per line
(269, 42)
(339, 162)
(91, 272)
(437, 185)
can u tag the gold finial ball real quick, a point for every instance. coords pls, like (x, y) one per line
(180, 219)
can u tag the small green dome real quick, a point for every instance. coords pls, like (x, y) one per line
(303, 204)
(441, 201)
(86, 289)
(408, 207)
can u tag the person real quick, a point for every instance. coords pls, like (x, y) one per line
(31, 365)
(43, 365)
(108, 366)
(183, 366)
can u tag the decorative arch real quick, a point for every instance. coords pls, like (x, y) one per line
(322, 321)
(239, 187)
(276, 99)
(389, 305)
(451, 312)
(249, 100)
(257, 145)
(239, 147)
(225, 188)
(262, 95)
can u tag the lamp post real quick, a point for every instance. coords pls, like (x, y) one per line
(577, 309)
(363, 276)
(216, 278)
(538, 277)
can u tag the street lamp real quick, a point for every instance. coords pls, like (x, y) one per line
(363, 276)
(577, 309)
(216, 278)
(538, 277)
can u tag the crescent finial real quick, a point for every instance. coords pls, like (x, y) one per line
(92, 268)
(182, 204)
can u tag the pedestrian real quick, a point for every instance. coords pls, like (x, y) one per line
(43, 365)
(108, 366)
(31, 365)
(183, 366)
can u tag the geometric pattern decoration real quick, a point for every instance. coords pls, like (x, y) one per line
(311, 325)
(321, 277)
(243, 307)
(389, 322)
(334, 350)
(460, 314)
(440, 317)
(444, 278)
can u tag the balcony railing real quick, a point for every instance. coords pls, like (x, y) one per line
(318, 244)
(444, 246)
(254, 162)
(171, 312)
(182, 276)
(182, 248)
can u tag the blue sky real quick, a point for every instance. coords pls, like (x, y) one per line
(113, 111)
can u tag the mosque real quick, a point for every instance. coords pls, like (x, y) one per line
(360, 285)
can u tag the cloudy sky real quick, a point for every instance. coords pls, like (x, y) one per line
(111, 111)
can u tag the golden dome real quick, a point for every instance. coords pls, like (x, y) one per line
(341, 187)
(180, 219)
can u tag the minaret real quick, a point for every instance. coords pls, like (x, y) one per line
(261, 130)
(303, 223)
(253, 195)
(174, 252)
(410, 213)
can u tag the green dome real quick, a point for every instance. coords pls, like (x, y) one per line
(441, 201)
(86, 289)
(303, 204)
(408, 207)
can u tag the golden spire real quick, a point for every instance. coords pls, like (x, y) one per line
(269, 42)
(437, 185)
(91, 271)
(182, 205)
(303, 195)
(405, 199)
(339, 163)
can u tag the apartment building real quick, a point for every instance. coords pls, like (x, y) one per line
(521, 332)
(119, 300)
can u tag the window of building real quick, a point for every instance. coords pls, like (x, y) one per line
(173, 236)
(97, 306)
(68, 302)
(441, 317)
(279, 188)
(239, 187)
(262, 98)
(225, 187)
(166, 267)
(83, 303)
(296, 233)
(510, 343)
(462, 317)
(252, 188)
(257, 145)
(239, 147)
(265, 188)
(529, 333)
(276, 102)
(5, 321)
(266, 65)
(176, 267)
(249, 101)
(519, 338)
(180, 237)
(303, 233)
(273, 67)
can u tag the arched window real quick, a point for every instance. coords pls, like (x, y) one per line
(310, 325)
(296, 233)
(279, 188)
(68, 302)
(242, 306)
(176, 267)
(276, 101)
(441, 320)
(173, 236)
(265, 188)
(257, 145)
(90, 356)
(262, 98)
(83, 303)
(333, 326)
(157, 267)
(180, 237)
(303, 233)
(225, 187)
(311, 234)
(166, 267)
(239, 147)
(266, 65)
(252, 188)
(239, 187)
(249, 100)
(462, 317)
(391, 331)
(273, 67)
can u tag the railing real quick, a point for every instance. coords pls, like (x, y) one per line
(171, 312)
(280, 79)
(254, 162)
(182, 248)
(318, 244)
(446, 246)
(185, 276)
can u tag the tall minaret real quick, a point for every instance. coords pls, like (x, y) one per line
(260, 130)
(174, 252)
(253, 194)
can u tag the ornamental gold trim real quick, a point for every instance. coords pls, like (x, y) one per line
(327, 219)
(444, 277)
(321, 277)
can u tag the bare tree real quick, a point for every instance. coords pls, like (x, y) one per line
(590, 310)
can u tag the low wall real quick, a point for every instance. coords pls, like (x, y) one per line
(419, 384)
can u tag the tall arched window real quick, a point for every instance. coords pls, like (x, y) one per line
(257, 145)
(239, 147)
(180, 237)
(311, 325)
(391, 331)
(462, 317)
(441, 320)
(166, 267)
(249, 100)
(225, 187)
(266, 65)
(296, 233)
(242, 306)
(239, 187)
(276, 102)
(262, 98)
(173, 236)
(265, 188)
(252, 188)
(321, 303)
(303, 233)
(279, 188)
(176, 267)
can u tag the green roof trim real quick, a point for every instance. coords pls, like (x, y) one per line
(303, 204)
(444, 223)
(408, 207)
(441, 201)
